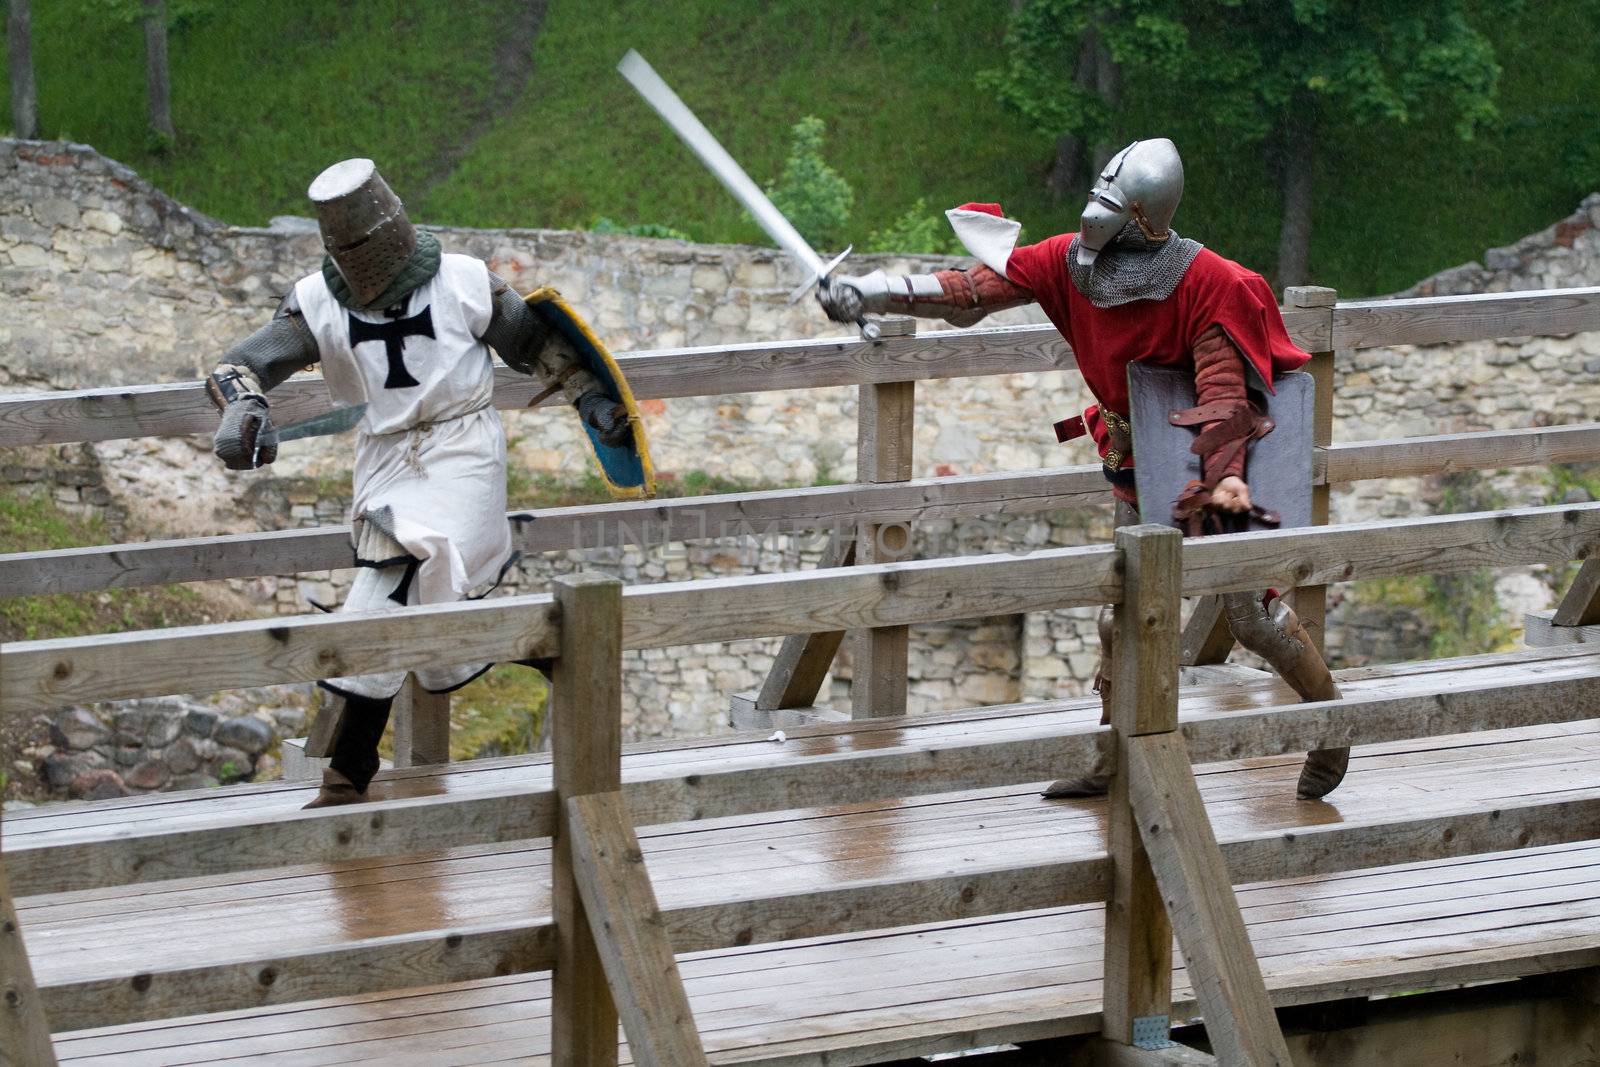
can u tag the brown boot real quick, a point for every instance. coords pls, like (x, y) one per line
(1097, 783)
(336, 790)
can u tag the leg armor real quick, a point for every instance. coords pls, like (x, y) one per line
(1275, 633)
(1098, 780)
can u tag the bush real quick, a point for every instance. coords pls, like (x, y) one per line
(809, 192)
(918, 230)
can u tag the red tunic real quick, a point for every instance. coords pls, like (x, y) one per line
(1214, 290)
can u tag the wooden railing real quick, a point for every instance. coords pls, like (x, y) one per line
(885, 371)
(609, 947)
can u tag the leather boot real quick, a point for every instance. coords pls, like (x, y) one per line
(1276, 634)
(336, 790)
(1096, 783)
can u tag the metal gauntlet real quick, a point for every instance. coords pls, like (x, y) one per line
(921, 295)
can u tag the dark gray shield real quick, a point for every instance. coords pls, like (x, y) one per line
(1278, 466)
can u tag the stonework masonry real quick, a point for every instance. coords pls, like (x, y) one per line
(104, 280)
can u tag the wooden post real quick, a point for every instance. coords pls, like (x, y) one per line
(1240, 1022)
(586, 741)
(1311, 601)
(803, 662)
(1207, 639)
(1144, 699)
(421, 726)
(24, 1032)
(885, 441)
(1581, 604)
(633, 942)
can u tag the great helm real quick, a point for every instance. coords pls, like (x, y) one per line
(364, 227)
(1142, 183)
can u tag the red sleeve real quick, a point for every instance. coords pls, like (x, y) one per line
(1036, 267)
(1241, 303)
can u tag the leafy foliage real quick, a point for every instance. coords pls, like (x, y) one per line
(811, 193)
(601, 224)
(1243, 63)
(918, 230)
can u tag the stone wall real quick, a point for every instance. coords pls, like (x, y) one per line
(105, 280)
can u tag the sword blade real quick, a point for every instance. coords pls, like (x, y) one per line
(659, 95)
(330, 422)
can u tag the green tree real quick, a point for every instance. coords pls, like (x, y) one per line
(1271, 73)
(814, 197)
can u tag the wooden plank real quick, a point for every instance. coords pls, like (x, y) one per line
(586, 746)
(1580, 605)
(1207, 640)
(885, 449)
(760, 513)
(1540, 631)
(164, 410)
(633, 943)
(1479, 316)
(1451, 453)
(421, 726)
(1563, 688)
(803, 662)
(862, 597)
(1240, 1022)
(621, 524)
(24, 1031)
(327, 714)
(1386, 548)
(44, 675)
(1144, 699)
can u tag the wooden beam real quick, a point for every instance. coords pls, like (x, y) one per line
(1144, 699)
(1580, 606)
(1104, 1053)
(826, 508)
(1540, 631)
(327, 715)
(763, 513)
(166, 410)
(1207, 639)
(1311, 601)
(586, 747)
(44, 675)
(1240, 1022)
(1385, 548)
(638, 958)
(1480, 316)
(1451, 453)
(24, 1032)
(804, 660)
(885, 445)
(421, 726)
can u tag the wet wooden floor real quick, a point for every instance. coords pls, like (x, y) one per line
(913, 989)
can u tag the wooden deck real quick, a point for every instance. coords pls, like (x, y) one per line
(916, 989)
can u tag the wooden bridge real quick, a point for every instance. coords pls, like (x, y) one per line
(864, 891)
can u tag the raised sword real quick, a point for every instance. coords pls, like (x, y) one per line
(659, 95)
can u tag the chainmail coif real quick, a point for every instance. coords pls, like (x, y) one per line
(1132, 267)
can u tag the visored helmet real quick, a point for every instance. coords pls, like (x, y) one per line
(364, 226)
(1142, 183)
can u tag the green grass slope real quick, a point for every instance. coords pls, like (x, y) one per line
(266, 93)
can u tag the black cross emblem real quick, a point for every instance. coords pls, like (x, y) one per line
(393, 335)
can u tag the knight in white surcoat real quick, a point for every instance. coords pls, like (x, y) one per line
(406, 331)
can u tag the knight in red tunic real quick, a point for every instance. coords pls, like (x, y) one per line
(1128, 288)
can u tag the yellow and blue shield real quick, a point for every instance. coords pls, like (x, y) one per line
(626, 468)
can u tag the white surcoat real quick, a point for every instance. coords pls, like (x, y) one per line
(429, 512)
